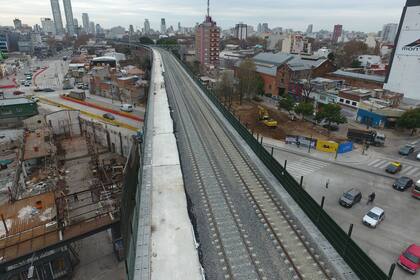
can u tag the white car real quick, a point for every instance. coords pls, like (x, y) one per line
(126, 107)
(418, 156)
(374, 217)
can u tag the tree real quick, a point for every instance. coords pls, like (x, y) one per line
(349, 52)
(331, 113)
(287, 103)
(247, 77)
(146, 41)
(224, 88)
(304, 109)
(260, 85)
(410, 120)
(166, 41)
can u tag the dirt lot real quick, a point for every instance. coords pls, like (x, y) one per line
(248, 113)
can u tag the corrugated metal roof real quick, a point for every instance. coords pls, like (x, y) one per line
(366, 77)
(14, 101)
(273, 58)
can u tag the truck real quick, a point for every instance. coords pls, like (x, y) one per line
(370, 137)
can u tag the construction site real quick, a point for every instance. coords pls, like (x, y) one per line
(61, 180)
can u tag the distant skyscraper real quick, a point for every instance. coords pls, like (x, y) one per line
(48, 26)
(241, 31)
(68, 11)
(98, 29)
(146, 26)
(55, 7)
(338, 31)
(76, 22)
(309, 29)
(85, 20)
(92, 27)
(131, 29)
(389, 31)
(259, 28)
(17, 23)
(179, 26)
(162, 26)
(207, 37)
(264, 27)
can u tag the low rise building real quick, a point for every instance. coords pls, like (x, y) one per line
(17, 109)
(366, 60)
(376, 113)
(352, 97)
(357, 79)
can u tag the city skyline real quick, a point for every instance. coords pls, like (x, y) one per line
(296, 15)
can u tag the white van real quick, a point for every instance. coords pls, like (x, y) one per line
(126, 108)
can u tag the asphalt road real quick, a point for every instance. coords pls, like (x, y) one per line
(384, 243)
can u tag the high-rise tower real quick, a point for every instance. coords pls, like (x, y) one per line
(58, 22)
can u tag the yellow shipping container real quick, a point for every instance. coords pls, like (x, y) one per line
(326, 146)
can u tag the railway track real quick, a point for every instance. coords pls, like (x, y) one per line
(289, 240)
(238, 260)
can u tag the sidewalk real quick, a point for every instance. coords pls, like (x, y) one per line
(353, 157)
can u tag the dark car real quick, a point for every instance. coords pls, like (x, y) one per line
(406, 150)
(350, 197)
(402, 183)
(48, 90)
(394, 167)
(109, 116)
(18, 92)
(38, 89)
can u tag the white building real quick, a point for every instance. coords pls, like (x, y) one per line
(162, 26)
(146, 26)
(404, 73)
(48, 26)
(367, 60)
(322, 52)
(297, 44)
(371, 40)
(389, 31)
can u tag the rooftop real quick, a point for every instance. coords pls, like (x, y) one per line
(15, 101)
(366, 77)
(37, 144)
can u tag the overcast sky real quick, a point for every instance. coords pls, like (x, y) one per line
(361, 15)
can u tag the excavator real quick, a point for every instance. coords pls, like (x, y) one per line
(264, 117)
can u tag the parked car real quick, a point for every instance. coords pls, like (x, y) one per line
(374, 217)
(416, 190)
(394, 167)
(38, 89)
(48, 90)
(406, 150)
(418, 156)
(402, 183)
(350, 197)
(34, 98)
(126, 107)
(18, 92)
(410, 259)
(109, 116)
(27, 84)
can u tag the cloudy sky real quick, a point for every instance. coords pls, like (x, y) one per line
(362, 15)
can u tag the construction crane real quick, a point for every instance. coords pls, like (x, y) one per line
(264, 117)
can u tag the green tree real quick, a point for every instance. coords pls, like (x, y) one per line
(331, 113)
(305, 109)
(166, 41)
(146, 40)
(410, 120)
(247, 77)
(287, 103)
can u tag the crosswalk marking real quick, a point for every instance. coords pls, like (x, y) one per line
(408, 170)
(305, 167)
(372, 163)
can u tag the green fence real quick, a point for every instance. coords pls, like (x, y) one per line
(353, 255)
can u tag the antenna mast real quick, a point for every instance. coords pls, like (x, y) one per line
(208, 8)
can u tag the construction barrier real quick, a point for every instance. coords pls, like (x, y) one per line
(345, 147)
(326, 146)
(109, 110)
(353, 255)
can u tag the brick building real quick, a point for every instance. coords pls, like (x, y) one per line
(357, 79)
(207, 38)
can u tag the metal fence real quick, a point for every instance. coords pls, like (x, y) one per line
(353, 255)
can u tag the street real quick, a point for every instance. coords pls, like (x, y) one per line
(392, 236)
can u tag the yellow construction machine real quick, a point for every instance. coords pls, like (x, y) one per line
(264, 117)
